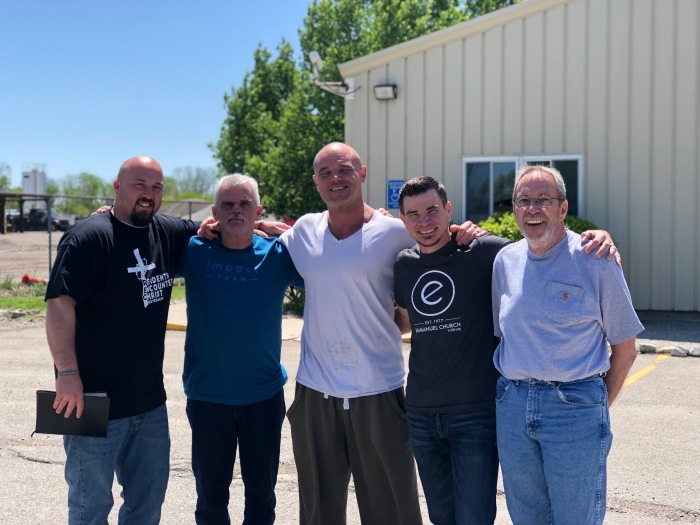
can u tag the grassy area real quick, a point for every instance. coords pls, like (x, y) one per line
(178, 293)
(16, 296)
(22, 303)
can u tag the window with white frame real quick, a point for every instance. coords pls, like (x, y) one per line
(488, 182)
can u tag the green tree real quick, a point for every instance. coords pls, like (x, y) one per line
(86, 184)
(278, 119)
(194, 182)
(6, 179)
(85, 193)
(474, 8)
(171, 190)
(254, 109)
(53, 187)
(284, 171)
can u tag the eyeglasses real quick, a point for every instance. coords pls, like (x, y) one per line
(540, 202)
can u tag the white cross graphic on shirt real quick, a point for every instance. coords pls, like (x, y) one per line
(141, 268)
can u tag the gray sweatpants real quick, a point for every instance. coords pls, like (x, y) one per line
(368, 440)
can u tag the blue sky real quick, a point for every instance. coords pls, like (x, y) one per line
(86, 84)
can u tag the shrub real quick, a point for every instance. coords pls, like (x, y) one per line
(578, 225)
(503, 224)
(294, 301)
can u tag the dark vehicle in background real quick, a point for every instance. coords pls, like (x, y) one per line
(11, 217)
(59, 223)
(36, 220)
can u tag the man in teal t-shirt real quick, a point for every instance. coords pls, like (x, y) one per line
(233, 376)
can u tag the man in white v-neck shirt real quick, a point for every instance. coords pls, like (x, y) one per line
(348, 415)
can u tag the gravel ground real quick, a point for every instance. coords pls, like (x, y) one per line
(28, 321)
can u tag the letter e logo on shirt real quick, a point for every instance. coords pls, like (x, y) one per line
(433, 293)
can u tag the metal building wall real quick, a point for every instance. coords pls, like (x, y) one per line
(617, 81)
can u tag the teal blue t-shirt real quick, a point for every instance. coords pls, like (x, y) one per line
(234, 319)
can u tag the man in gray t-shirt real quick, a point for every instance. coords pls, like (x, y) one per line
(556, 310)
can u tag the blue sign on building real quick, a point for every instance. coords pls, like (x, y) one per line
(392, 193)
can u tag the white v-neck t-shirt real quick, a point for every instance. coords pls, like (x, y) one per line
(350, 345)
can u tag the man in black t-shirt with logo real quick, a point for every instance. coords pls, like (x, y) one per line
(451, 383)
(106, 315)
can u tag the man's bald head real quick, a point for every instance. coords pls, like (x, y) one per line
(139, 191)
(338, 176)
(334, 148)
(140, 163)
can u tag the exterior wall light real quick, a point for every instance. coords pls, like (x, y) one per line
(385, 92)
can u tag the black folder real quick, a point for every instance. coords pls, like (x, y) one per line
(93, 422)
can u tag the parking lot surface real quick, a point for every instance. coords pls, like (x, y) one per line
(653, 467)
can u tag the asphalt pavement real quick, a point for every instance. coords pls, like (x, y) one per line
(654, 465)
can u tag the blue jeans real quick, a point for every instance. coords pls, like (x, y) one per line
(216, 431)
(457, 462)
(553, 442)
(137, 448)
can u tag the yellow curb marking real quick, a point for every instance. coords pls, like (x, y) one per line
(644, 371)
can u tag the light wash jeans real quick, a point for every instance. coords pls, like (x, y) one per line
(457, 461)
(137, 449)
(553, 443)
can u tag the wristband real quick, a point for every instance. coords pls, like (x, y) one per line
(69, 373)
(259, 224)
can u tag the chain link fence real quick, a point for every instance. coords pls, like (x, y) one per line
(32, 226)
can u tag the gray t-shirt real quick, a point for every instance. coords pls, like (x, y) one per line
(556, 312)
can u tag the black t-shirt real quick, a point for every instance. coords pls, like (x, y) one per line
(448, 298)
(121, 277)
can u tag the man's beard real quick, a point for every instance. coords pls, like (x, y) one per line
(549, 238)
(142, 217)
(429, 244)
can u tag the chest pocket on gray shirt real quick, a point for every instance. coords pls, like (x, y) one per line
(563, 302)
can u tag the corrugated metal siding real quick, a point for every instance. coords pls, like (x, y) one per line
(639, 272)
(614, 80)
(685, 232)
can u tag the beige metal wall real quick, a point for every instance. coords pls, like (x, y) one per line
(617, 81)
